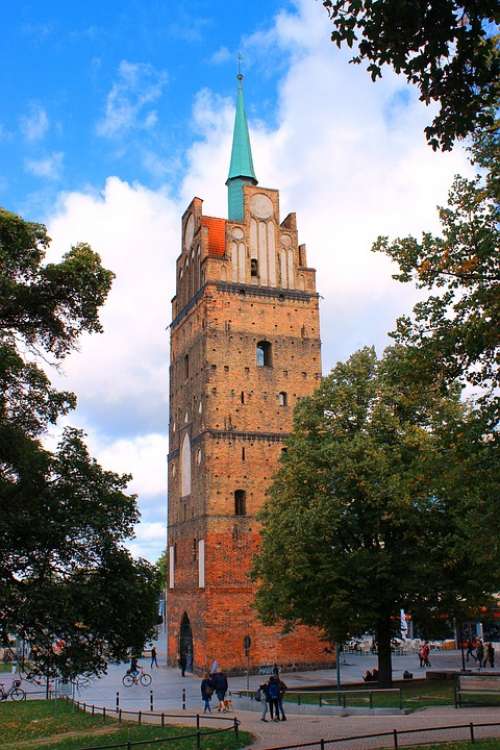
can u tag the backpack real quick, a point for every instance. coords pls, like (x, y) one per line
(258, 695)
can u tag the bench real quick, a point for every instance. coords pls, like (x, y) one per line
(476, 685)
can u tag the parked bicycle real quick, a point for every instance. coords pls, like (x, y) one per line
(132, 678)
(15, 692)
(80, 682)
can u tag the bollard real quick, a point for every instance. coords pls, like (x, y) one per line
(197, 721)
(104, 713)
(236, 725)
(150, 700)
(472, 738)
(162, 720)
(322, 744)
(395, 735)
(183, 699)
(140, 717)
(117, 700)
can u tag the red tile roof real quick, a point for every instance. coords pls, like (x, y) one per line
(216, 234)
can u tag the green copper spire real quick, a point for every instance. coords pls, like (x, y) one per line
(241, 168)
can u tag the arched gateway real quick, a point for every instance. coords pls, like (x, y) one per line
(186, 642)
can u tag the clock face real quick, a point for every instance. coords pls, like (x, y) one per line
(261, 206)
(189, 232)
(237, 233)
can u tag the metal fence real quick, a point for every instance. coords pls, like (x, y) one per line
(121, 714)
(396, 734)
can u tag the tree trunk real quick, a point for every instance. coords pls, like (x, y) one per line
(383, 634)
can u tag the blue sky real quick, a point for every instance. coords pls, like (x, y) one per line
(59, 62)
(114, 115)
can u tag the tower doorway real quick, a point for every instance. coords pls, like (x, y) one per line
(186, 642)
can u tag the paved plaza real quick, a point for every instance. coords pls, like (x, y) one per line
(168, 685)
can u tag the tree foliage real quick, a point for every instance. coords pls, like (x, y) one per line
(446, 48)
(65, 574)
(454, 333)
(384, 500)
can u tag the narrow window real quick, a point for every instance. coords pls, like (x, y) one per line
(195, 549)
(264, 354)
(186, 366)
(240, 503)
(283, 398)
(242, 454)
(242, 397)
(254, 267)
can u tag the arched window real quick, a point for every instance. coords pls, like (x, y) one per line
(186, 366)
(254, 267)
(186, 466)
(240, 503)
(283, 398)
(264, 354)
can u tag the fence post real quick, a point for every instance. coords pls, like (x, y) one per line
(197, 721)
(299, 699)
(150, 700)
(140, 717)
(343, 699)
(320, 700)
(183, 699)
(104, 713)
(395, 735)
(93, 709)
(472, 738)
(370, 696)
(322, 744)
(129, 746)
(198, 740)
(400, 699)
(117, 700)
(236, 725)
(120, 716)
(162, 720)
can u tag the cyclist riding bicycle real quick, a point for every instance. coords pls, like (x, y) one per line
(134, 667)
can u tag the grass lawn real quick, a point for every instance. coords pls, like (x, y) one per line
(56, 725)
(5, 667)
(418, 694)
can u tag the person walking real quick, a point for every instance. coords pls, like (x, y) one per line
(219, 681)
(490, 655)
(154, 660)
(273, 687)
(426, 652)
(262, 694)
(421, 655)
(470, 650)
(480, 653)
(283, 688)
(182, 664)
(207, 690)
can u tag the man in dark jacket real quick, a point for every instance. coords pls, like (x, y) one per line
(274, 694)
(283, 688)
(219, 681)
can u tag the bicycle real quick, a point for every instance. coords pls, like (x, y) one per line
(142, 677)
(15, 692)
(80, 682)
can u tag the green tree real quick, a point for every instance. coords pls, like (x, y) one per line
(65, 574)
(445, 48)
(454, 333)
(162, 568)
(385, 499)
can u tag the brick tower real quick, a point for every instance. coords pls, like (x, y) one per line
(245, 347)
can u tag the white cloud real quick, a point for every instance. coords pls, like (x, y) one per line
(221, 55)
(49, 166)
(35, 124)
(138, 85)
(350, 162)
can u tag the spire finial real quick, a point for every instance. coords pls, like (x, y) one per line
(241, 167)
